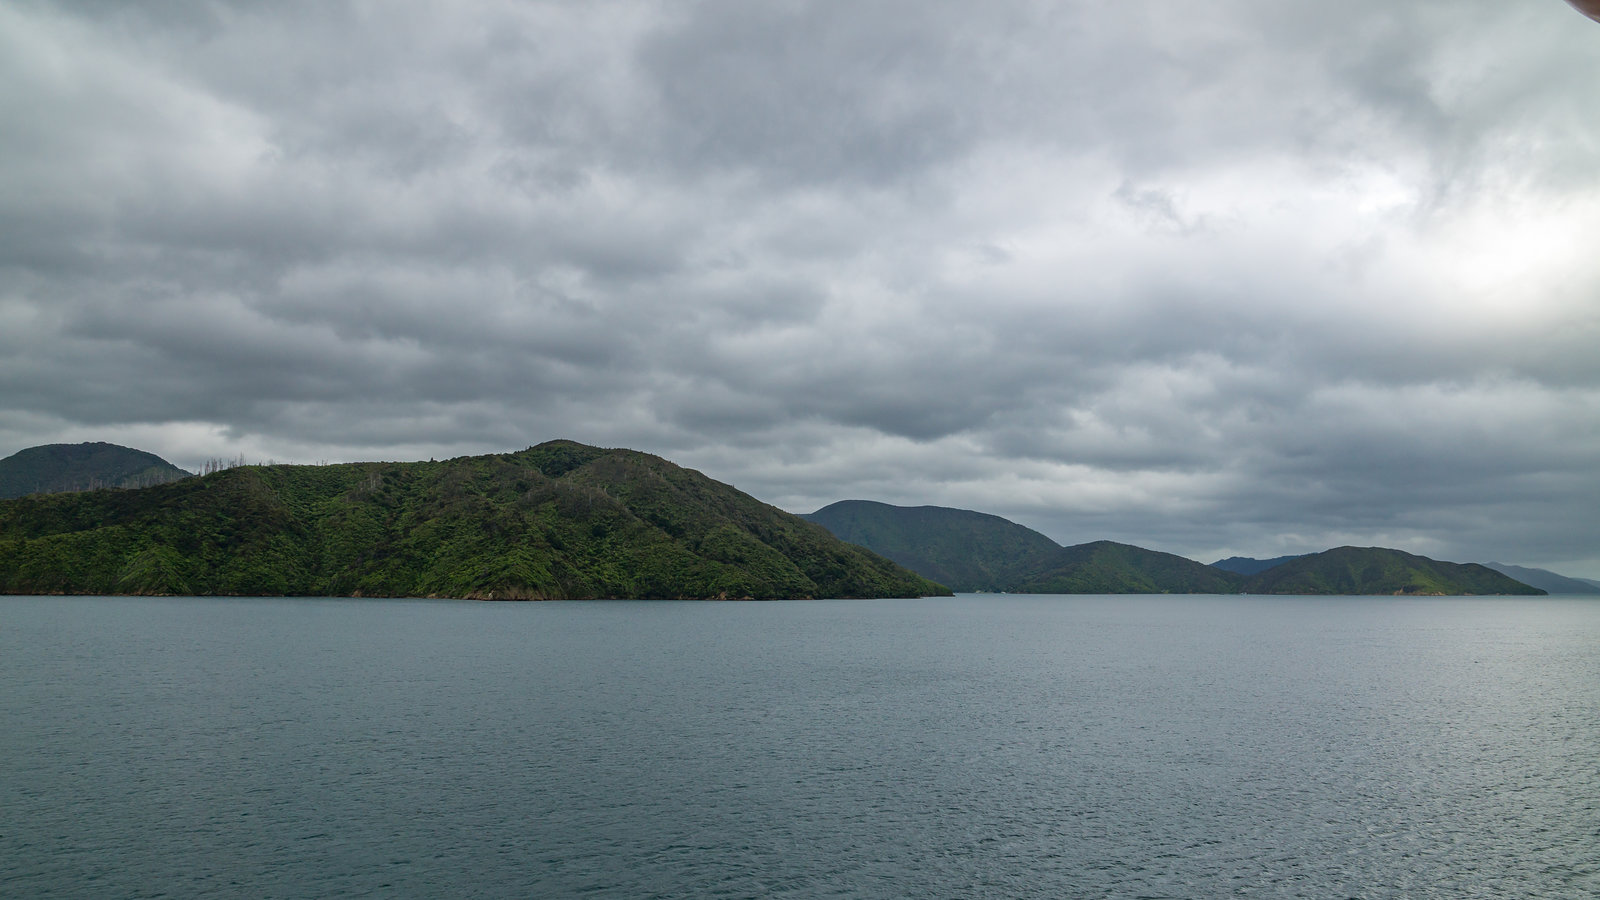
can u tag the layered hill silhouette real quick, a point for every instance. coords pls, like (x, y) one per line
(567, 521)
(1106, 567)
(557, 521)
(980, 552)
(1245, 565)
(1377, 570)
(58, 468)
(974, 551)
(1546, 580)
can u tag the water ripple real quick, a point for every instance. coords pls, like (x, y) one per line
(1017, 747)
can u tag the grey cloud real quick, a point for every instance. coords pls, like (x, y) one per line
(815, 93)
(1249, 281)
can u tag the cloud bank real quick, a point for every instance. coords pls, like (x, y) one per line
(1260, 279)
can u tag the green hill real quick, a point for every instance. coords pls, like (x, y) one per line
(1105, 567)
(556, 521)
(965, 550)
(57, 468)
(973, 551)
(1375, 570)
(1245, 565)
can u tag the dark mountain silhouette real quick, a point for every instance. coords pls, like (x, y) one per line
(60, 468)
(1545, 580)
(1244, 565)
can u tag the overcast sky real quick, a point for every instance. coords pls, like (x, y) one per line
(1230, 277)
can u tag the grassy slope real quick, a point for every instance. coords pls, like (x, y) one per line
(560, 520)
(1376, 570)
(968, 551)
(79, 467)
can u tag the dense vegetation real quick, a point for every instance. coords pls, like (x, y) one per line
(1245, 565)
(964, 550)
(1376, 570)
(972, 551)
(979, 552)
(55, 468)
(559, 521)
(562, 520)
(1104, 567)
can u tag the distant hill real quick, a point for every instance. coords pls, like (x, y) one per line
(1244, 565)
(1376, 570)
(961, 549)
(58, 468)
(1104, 567)
(556, 521)
(973, 551)
(1589, 581)
(1545, 580)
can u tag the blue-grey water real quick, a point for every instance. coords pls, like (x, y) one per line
(979, 746)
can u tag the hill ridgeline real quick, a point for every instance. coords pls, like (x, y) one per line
(1546, 580)
(974, 551)
(60, 468)
(1378, 570)
(978, 552)
(557, 521)
(1244, 565)
(961, 549)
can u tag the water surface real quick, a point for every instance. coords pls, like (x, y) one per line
(974, 746)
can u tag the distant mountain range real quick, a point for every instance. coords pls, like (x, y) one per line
(1244, 565)
(59, 468)
(1543, 579)
(563, 520)
(979, 552)
(1546, 580)
(1376, 570)
(556, 521)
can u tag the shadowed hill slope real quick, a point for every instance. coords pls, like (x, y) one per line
(556, 521)
(1544, 579)
(975, 551)
(1245, 565)
(57, 468)
(964, 550)
(1105, 567)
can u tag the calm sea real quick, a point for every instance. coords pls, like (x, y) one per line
(979, 746)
